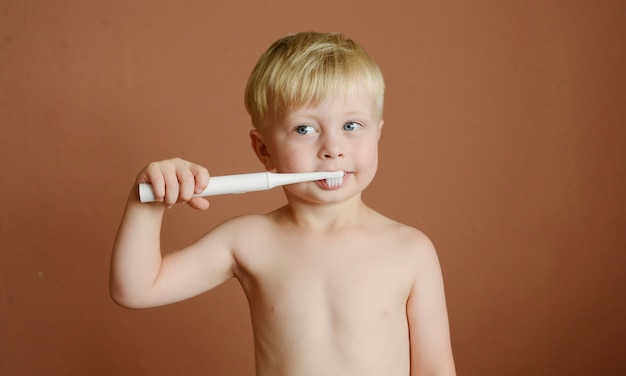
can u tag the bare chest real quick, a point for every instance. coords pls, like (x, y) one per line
(337, 276)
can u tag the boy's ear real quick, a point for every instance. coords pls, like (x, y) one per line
(380, 128)
(260, 148)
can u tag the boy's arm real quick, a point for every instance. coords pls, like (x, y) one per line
(431, 351)
(140, 276)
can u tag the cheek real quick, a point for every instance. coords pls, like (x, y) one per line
(368, 155)
(290, 161)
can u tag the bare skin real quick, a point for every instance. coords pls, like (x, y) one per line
(334, 287)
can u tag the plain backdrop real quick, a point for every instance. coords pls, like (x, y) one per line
(504, 141)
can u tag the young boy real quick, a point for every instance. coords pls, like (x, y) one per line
(334, 287)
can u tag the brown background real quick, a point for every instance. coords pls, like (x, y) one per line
(504, 141)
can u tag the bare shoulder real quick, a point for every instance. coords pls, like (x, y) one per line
(244, 226)
(249, 231)
(408, 238)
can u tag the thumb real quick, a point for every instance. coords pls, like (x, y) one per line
(198, 203)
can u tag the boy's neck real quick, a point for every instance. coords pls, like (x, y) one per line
(326, 217)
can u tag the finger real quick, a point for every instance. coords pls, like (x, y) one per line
(172, 189)
(198, 203)
(152, 174)
(187, 184)
(201, 176)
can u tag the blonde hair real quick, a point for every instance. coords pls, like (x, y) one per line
(306, 68)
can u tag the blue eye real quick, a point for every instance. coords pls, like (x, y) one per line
(304, 129)
(352, 126)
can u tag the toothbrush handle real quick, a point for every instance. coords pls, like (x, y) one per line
(220, 185)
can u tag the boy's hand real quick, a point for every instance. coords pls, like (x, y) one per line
(175, 181)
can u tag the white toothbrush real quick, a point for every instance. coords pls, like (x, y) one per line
(256, 181)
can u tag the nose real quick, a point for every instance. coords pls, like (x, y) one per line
(331, 148)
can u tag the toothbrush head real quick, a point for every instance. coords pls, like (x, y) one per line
(335, 181)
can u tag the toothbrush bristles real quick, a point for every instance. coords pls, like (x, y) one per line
(334, 182)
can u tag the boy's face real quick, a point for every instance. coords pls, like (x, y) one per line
(336, 135)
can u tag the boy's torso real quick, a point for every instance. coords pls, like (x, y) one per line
(332, 303)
